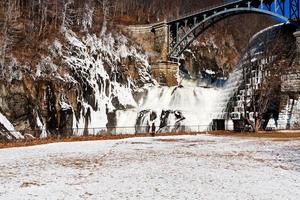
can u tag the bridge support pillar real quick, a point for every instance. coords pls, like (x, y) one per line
(155, 40)
(163, 70)
(161, 40)
(165, 73)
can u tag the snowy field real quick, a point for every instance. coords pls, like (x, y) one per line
(183, 167)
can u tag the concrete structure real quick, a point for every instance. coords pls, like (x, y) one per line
(154, 38)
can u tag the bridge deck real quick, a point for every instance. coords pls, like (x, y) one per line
(185, 29)
(205, 10)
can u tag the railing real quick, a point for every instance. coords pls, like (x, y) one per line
(127, 130)
(96, 131)
(138, 130)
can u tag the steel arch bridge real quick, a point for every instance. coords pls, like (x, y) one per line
(185, 29)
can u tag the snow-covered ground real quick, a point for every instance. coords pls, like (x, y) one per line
(183, 167)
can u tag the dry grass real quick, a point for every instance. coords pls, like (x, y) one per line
(33, 142)
(276, 136)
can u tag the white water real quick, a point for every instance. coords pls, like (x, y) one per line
(289, 117)
(196, 104)
(227, 92)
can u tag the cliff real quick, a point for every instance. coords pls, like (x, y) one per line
(78, 83)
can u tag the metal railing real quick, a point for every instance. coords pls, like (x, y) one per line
(136, 130)
(111, 131)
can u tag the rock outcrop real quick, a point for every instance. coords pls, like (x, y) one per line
(77, 84)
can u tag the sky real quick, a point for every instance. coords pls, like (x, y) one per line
(287, 11)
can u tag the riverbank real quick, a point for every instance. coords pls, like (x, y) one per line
(279, 135)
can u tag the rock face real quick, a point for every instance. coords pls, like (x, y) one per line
(79, 84)
(35, 105)
(214, 50)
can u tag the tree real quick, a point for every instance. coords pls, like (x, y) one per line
(66, 20)
(106, 6)
(6, 40)
(272, 63)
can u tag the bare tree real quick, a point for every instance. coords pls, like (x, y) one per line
(65, 17)
(11, 14)
(272, 64)
(106, 5)
(87, 20)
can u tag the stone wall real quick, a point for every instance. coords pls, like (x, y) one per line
(297, 35)
(291, 82)
(165, 73)
(154, 38)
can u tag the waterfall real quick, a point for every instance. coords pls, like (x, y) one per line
(186, 108)
(228, 91)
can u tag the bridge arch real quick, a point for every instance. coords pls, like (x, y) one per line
(193, 33)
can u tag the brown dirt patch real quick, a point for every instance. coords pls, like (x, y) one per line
(277, 136)
(33, 142)
(80, 163)
(170, 140)
(29, 184)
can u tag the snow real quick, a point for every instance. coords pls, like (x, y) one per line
(56, 48)
(72, 39)
(9, 127)
(6, 123)
(183, 167)
(90, 57)
(41, 127)
(87, 20)
(208, 71)
(63, 104)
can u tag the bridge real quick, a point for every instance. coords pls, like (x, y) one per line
(185, 29)
(172, 37)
